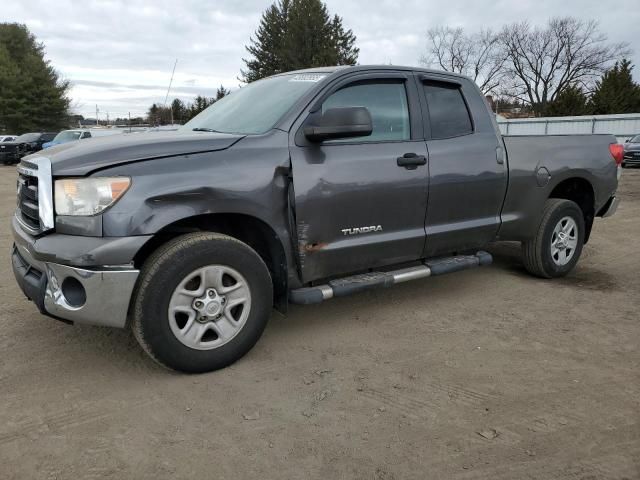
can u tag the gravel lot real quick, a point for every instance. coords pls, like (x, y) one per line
(487, 373)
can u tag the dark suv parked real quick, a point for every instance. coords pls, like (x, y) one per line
(25, 144)
(632, 152)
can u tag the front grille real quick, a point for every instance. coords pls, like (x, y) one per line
(9, 148)
(28, 200)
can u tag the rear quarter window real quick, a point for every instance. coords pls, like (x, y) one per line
(448, 113)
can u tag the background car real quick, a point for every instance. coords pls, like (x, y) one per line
(27, 143)
(66, 136)
(632, 152)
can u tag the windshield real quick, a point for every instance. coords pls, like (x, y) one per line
(28, 137)
(255, 108)
(635, 139)
(67, 136)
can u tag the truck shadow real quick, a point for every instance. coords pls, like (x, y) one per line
(508, 256)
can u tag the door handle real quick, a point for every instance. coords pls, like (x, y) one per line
(411, 161)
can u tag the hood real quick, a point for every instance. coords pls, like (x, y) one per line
(82, 158)
(632, 147)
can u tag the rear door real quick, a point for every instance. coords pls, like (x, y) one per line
(468, 175)
(355, 207)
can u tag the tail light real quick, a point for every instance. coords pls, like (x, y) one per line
(617, 152)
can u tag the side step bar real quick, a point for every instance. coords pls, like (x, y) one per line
(366, 281)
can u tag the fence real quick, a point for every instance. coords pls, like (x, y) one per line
(623, 126)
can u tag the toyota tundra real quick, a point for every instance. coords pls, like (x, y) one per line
(295, 189)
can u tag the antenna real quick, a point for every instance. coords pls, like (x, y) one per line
(169, 89)
(170, 82)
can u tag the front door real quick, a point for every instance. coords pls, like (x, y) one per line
(355, 206)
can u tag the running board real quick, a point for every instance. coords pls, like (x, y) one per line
(366, 281)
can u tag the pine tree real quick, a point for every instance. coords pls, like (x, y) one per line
(178, 110)
(153, 115)
(221, 92)
(616, 92)
(345, 42)
(267, 48)
(571, 101)
(32, 95)
(296, 34)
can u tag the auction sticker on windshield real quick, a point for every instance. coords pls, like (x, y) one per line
(307, 77)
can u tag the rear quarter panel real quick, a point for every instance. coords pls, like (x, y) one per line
(565, 157)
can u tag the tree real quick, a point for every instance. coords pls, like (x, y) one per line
(295, 34)
(571, 101)
(345, 42)
(221, 92)
(32, 95)
(616, 92)
(478, 55)
(153, 116)
(181, 112)
(178, 111)
(199, 104)
(543, 62)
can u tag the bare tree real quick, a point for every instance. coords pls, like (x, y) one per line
(543, 62)
(478, 55)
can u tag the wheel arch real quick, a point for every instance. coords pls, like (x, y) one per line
(580, 191)
(248, 229)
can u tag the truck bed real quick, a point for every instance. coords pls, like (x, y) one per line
(539, 163)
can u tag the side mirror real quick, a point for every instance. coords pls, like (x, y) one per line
(344, 122)
(626, 141)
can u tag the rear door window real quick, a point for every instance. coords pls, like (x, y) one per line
(448, 113)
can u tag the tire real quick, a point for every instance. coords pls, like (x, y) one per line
(189, 262)
(538, 252)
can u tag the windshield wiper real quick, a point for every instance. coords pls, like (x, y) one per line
(199, 129)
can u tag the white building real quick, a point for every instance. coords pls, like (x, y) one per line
(623, 126)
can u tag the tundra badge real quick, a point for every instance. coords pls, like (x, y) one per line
(358, 230)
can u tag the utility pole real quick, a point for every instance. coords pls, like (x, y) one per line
(129, 122)
(97, 115)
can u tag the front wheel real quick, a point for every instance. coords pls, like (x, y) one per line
(557, 245)
(202, 302)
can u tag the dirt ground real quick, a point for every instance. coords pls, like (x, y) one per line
(487, 373)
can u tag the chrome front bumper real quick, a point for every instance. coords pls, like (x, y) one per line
(94, 297)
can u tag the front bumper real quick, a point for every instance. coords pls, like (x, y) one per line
(631, 158)
(87, 294)
(93, 297)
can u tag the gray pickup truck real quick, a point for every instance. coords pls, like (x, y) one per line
(295, 189)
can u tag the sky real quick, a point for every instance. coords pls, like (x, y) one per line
(119, 54)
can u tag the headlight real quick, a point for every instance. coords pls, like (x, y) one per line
(88, 196)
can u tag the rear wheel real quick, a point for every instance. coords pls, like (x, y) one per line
(557, 245)
(202, 302)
